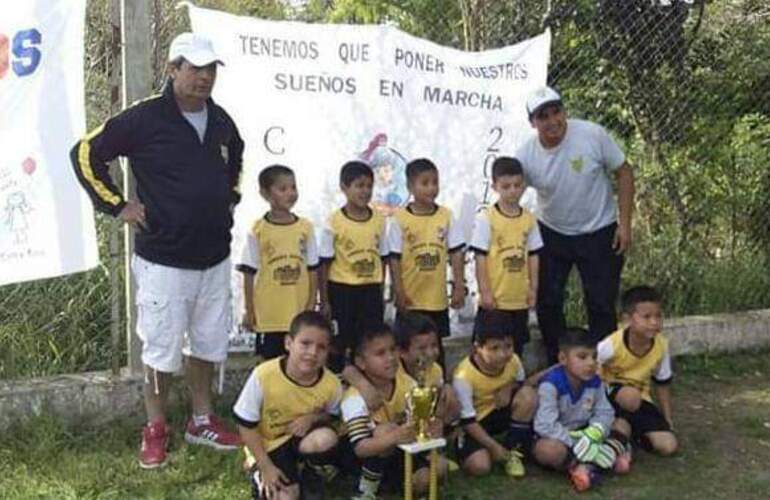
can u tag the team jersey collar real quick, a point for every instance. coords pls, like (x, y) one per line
(628, 345)
(500, 211)
(411, 211)
(282, 363)
(486, 374)
(347, 215)
(267, 219)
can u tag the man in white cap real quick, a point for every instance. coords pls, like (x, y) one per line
(570, 163)
(186, 153)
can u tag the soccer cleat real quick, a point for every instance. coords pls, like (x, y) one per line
(154, 444)
(623, 462)
(583, 476)
(213, 434)
(513, 465)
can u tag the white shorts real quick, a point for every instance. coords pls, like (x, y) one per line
(182, 311)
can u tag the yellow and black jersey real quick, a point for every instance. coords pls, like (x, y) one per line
(621, 366)
(507, 242)
(355, 248)
(476, 390)
(270, 400)
(187, 186)
(423, 244)
(281, 255)
(360, 422)
(434, 375)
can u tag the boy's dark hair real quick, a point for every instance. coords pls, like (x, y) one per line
(370, 334)
(637, 295)
(411, 324)
(576, 337)
(489, 325)
(269, 175)
(505, 165)
(419, 166)
(309, 318)
(352, 170)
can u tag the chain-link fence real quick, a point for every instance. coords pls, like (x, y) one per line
(684, 85)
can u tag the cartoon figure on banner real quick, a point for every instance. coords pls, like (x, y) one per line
(390, 191)
(17, 208)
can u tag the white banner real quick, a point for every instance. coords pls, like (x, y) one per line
(313, 96)
(46, 220)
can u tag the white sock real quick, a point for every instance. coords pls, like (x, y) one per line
(201, 419)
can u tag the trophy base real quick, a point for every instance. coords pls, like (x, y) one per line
(420, 446)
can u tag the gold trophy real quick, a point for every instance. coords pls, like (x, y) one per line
(422, 402)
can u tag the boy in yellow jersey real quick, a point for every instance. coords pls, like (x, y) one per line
(423, 237)
(352, 249)
(418, 341)
(282, 411)
(630, 359)
(493, 401)
(375, 435)
(279, 263)
(505, 240)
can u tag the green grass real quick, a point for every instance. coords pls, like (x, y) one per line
(722, 412)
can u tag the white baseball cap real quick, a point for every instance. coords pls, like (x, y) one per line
(540, 98)
(196, 49)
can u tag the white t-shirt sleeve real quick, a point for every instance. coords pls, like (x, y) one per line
(465, 397)
(326, 243)
(455, 238)
(604, 351)
(664, 373)
(333, 406)
(312, 250)
(384, 243)
(521, 375)
(250, 253)
(481, 234)
(354, 407)
(248, 407)
(611, 153)
(534, 240)
(395, 242)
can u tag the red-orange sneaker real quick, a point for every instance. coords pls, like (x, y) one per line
(623, 462)
(213, 434)
(154, 444)
(583, 476)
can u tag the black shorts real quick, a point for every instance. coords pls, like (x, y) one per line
(496, 423)
(287, 458)
(518, 322)
(393, 467)
(355, 308)
(270, 345)
(647, 418)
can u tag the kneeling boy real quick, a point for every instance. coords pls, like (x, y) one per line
(493, 400)
(282, 410)
(375, 435)
(574, 417)
(632, 357)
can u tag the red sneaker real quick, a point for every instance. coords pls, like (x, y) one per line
(213, 434)
(580, 476)
(623, 462)
(154, 444)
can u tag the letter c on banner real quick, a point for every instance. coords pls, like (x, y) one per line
(267, 140)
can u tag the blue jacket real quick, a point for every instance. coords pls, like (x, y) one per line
(561, 410)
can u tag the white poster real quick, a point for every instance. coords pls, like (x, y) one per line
(46, 220)
(313, 96)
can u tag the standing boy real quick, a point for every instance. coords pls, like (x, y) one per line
(422, 237)
(352, 249)
(281, 251)
(283, 410)
(632, 357)
(505, 240)
(375, 434)
(574, 417)
(493, 401)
